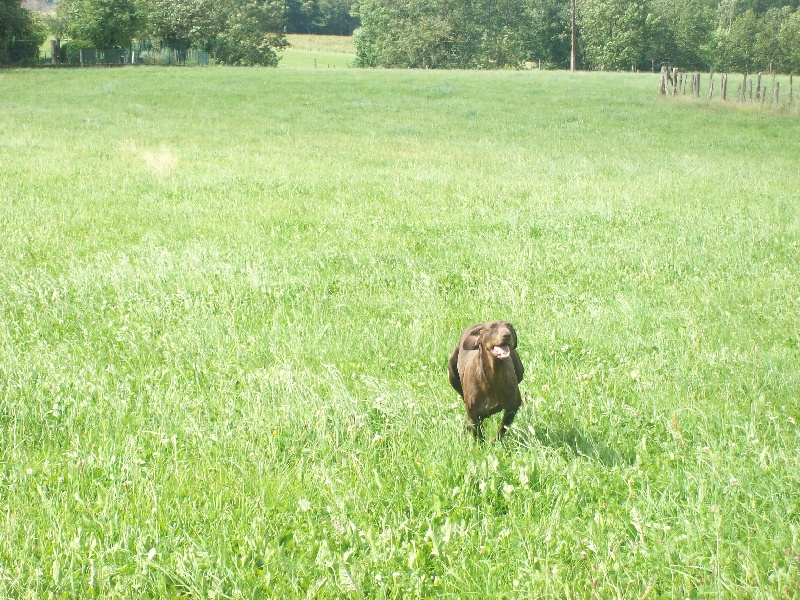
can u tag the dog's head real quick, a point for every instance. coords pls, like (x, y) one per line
(498, 338)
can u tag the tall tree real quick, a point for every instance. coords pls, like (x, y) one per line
(679, 33)
(404, 33)
(769, 52)
(613, 33)
(336, 18)
(330, 17)
(734, 43)
(101, 23)
(20, 34)
(461, 33)
(244, 32)
(790, 43)
(177, 24)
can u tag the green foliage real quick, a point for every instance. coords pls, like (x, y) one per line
(236, 32)
(406, 33)
(241, 32)
(101, 23)
(178, 24)
(71, 51)
(327, 17)
(613, 33)
(679, 33)
(790, 43)
(728, 35)
(748, 40)
(468, 34)
(735, 44)
(20, 34)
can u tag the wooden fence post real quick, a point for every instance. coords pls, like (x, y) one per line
(751, 91)
(773, 84)
(738, 93)
(711, 84)
(758, 87)
(662, 83)
(675, 81)
(725, 86)
(776, 92)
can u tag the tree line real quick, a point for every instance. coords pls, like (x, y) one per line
(725, 35)
(236, 32)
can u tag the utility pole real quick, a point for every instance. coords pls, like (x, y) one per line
(572, 36)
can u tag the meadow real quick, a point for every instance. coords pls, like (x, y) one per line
(318, 51)
(228, 297)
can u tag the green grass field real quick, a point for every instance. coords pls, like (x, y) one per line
(228, 296)
(318, 51)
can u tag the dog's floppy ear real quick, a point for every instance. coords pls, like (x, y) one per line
(514, 334)
(471, 339)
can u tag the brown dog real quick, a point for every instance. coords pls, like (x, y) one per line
(485, 370)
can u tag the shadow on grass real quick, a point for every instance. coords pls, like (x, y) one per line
(571, 441)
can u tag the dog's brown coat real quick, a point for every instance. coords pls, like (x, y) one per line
(487, 382)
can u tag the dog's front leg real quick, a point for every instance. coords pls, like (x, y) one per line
(475, 427)
(508, 418)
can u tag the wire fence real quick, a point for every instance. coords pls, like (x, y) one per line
(91, 57)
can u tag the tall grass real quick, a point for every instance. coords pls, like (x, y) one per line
(228, 297)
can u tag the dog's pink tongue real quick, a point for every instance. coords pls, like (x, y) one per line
(501, 351)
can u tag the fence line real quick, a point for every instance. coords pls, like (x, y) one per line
(673, 81)
(90, 57)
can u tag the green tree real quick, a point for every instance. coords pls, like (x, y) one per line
(20, 34)
(761, 7)
(235, 32)
(177, 24)
(549, 32)
(404, 33)
(100, 23)
(331, 17)
(679, 33)
(613, 33)
(790, 43)
(769, 52)
(734, 43)
(243, 32)
(335, 18)
(460, 33)
(301, 15)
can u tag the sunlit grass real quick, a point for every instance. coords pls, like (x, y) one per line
(318, 51)
(228, 297)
